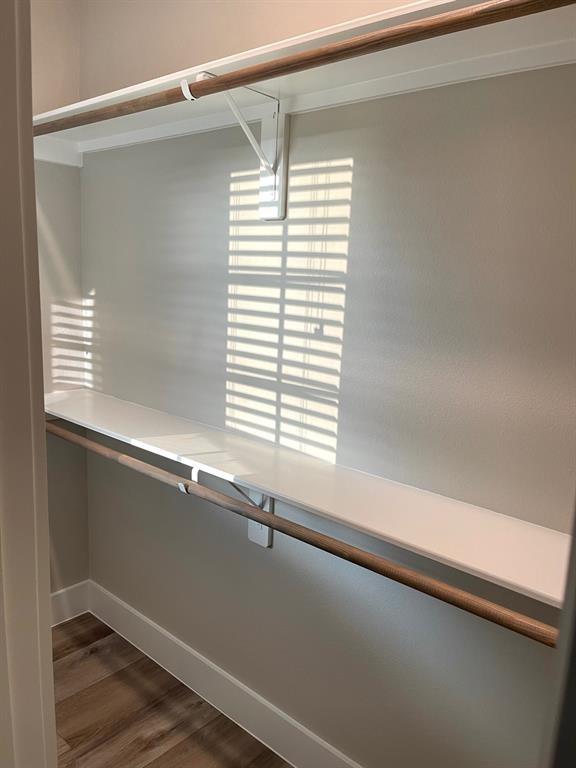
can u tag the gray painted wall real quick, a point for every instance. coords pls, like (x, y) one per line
(457, 359)
(68, 511)
(388, 676)
(457, 371)
(59, 244)
(63, 314)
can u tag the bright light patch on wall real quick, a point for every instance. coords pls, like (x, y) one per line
(286, 309)
(72, 335)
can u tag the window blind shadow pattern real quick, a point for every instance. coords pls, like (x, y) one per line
(286, 308)
(72, 342)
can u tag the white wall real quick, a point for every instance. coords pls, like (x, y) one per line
(59, 245)
(453, 276)
(457, 374)
(63, 315)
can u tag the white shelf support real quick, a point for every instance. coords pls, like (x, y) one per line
(258, 533)
(249, 135)
(271, 150)
(274, 139)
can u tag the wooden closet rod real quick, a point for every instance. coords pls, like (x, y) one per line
(485, 609)
(392, 37)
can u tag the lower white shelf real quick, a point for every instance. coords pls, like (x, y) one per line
(526, 558)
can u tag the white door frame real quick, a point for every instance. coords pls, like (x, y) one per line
(27, 729)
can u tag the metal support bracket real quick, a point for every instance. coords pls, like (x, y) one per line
(274, 137)
(257, 532)
(271, 150)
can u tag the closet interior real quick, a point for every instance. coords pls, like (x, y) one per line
(280, 283)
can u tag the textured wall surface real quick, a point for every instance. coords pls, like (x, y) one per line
(436, 228)
(450, 274)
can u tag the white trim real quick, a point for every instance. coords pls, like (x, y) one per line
(69, 602)
(54, 149)
(552, 54)
(280, 732)
(287, 737)
(172, 130)
(556, 53)
(27, 721)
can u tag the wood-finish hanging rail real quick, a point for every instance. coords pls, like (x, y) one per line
(485, 609)
(372, 42)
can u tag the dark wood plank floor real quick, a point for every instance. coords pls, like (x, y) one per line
(115, 708)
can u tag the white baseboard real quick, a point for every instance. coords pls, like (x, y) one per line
(287, 737)
(70, 602)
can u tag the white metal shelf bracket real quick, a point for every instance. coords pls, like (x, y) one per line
(271, 150)
(257, 532)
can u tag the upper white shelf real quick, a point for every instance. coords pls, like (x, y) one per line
(520, 556)
(542, 40)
